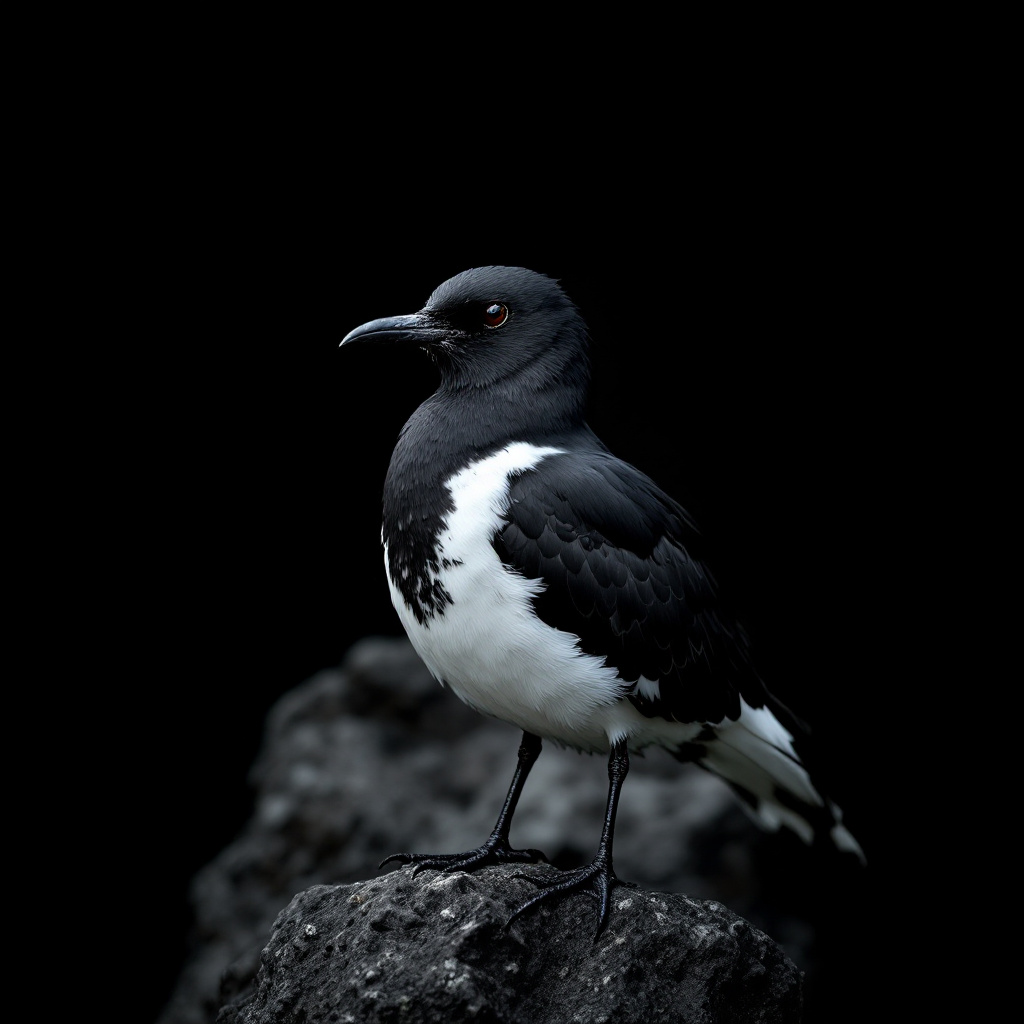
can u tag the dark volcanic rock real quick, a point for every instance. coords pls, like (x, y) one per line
(434, 948)
(375, 757)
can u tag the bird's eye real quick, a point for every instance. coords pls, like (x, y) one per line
(495, 314)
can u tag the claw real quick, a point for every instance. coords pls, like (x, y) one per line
(596, 880)
(405, 858)
(492, 852)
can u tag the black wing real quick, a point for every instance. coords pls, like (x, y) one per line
(615, 554)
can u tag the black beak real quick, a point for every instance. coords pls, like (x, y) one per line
(415, 327)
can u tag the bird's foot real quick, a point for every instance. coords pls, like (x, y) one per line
(597, 879)
(495, 851)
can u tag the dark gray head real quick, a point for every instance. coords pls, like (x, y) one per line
(495, 326)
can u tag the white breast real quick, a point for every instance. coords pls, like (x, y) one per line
(488, 645)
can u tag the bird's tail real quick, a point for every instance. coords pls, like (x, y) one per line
(758, 755)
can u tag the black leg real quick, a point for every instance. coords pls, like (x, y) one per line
(496, 850)
(598, 877)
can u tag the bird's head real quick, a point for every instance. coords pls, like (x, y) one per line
(494, 324)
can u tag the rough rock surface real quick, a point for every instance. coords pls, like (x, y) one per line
(375, 757)
(434, 948)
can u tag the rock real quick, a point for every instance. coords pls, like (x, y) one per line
(434, 948)
(375, 757)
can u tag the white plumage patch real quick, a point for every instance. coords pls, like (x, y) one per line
(490, 647)
(757, 753)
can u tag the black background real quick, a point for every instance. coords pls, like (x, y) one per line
(737, 359)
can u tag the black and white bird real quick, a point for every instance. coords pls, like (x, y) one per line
(556, 587)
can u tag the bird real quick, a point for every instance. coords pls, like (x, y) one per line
(556, 587)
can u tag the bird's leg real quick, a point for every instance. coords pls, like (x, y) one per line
(597, 878)
(496, 850)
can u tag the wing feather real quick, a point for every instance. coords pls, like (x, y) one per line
(620, 566)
